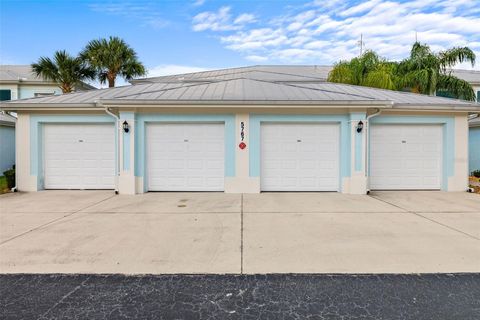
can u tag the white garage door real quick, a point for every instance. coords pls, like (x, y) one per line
(300, 157)
(405, 157)
(185, 157)
(79, 156)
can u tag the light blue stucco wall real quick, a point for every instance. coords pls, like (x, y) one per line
(345, 137)
(130, 118)
(7, 148)
(359, 158)
(142, 120)
(36, 137)
(29, 91)
(448, 123)
(474, 149)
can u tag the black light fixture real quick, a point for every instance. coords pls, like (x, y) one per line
(359, 126)
(125, 126)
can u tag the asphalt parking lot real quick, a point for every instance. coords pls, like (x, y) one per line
(415, 297)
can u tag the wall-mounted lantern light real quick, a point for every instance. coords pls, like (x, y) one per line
(126, 126)
(359, 126)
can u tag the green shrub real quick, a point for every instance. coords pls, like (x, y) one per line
(476, 173)
(10, 177)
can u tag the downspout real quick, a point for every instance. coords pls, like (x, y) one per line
(117, 163)
(367, 145)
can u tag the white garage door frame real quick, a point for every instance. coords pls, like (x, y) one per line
(218, 186)
(88, 179)
(334, 187)
(438, 154)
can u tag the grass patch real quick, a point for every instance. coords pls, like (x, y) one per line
(3, 185)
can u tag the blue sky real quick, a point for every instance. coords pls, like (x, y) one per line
(181, 36)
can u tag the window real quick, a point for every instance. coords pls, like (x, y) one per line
(5, 94)
(43, 94)
(478, 96)
(444, 93)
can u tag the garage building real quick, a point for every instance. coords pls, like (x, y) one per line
(242, 130)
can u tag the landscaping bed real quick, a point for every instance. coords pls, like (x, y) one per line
(475, 184)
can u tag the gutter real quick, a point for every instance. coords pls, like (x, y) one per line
(117, 163)
(367, 146)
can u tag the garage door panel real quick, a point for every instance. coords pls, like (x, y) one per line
(79, 156)
(299, 157)
(406, 157)
(187, 157)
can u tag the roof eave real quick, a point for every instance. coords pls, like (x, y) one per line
(430, 107)
(47, 106)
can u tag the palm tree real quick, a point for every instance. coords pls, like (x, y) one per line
(64, 69)
(428, 72)
(368, 70)
(112, 57)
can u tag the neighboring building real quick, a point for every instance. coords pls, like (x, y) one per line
(474, 144)
(19, 82)
(472, 77)
(7, 142)
(243, 130)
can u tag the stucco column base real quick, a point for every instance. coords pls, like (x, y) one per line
(355, 185)
(126, 184)
(27, 183)
(139, 186)
(242, 185)
(458, 183)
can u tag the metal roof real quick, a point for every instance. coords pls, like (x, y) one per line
(277, 73)
(7, 120)
(25, 74)
(18, 73)
(471, 76)
(272, 73)
(246, 86)
(475, 122)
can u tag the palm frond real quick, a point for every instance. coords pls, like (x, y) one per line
(459, 88)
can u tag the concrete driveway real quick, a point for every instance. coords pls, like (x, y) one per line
(98, 232)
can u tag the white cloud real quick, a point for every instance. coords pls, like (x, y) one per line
(221, 20)
(244, 18)
(171, 69)
(198, 3)
(327, 31)
(364, 6)
(147, 14)
(255, 58)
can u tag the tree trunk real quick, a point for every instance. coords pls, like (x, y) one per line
(111, 80)
(66, 88)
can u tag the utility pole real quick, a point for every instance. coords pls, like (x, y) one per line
(416, 39)
(360, 43)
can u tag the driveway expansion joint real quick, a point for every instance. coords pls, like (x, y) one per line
(54, 221)
(418, 214)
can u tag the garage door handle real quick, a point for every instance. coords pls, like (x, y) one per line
(299, 140)
(80, 140)
(185, 140)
